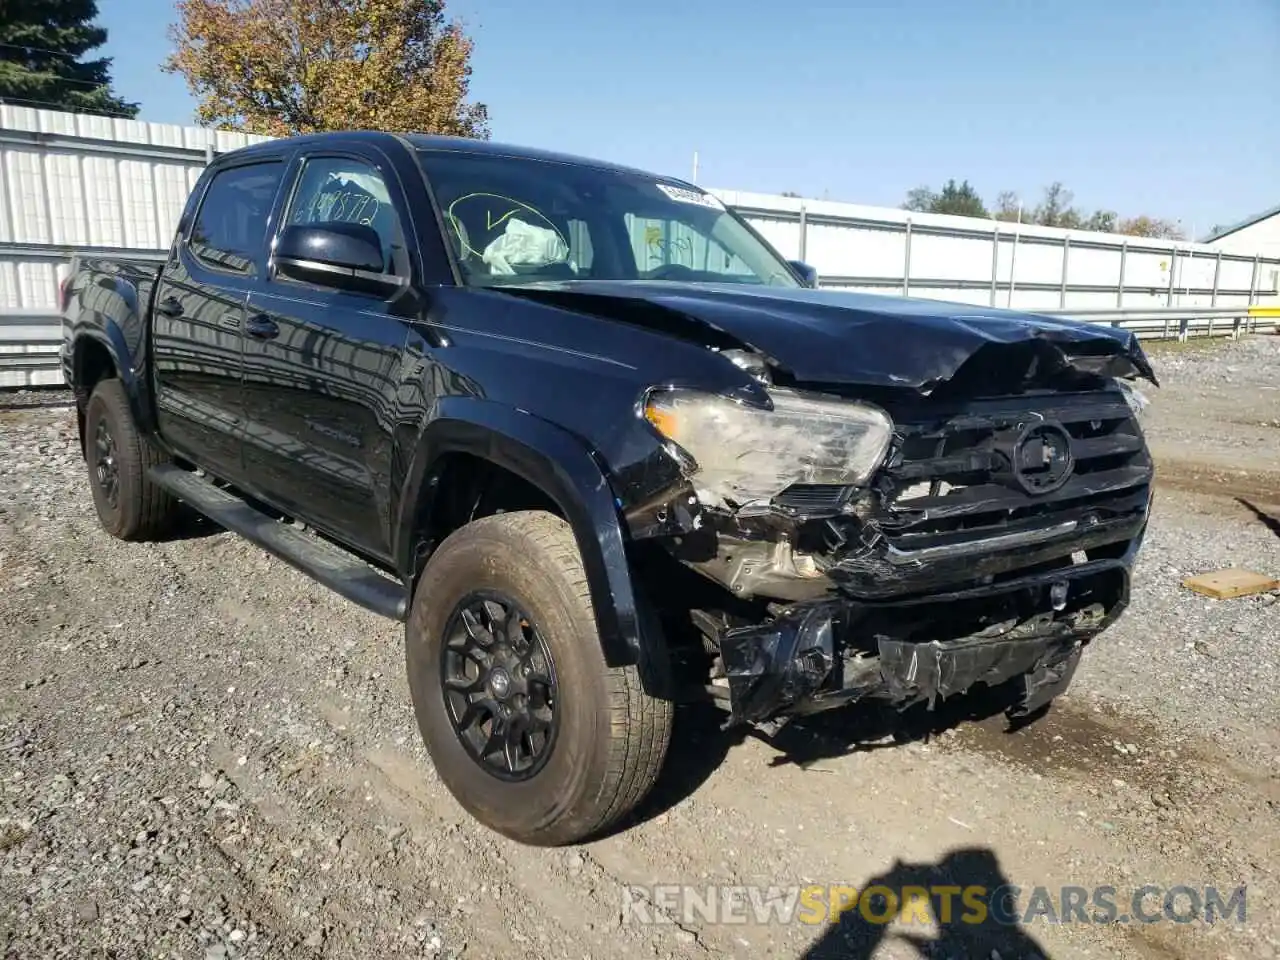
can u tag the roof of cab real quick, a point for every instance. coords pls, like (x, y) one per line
(490, 149)
(443, 144)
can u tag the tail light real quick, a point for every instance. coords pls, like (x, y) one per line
(64, 292)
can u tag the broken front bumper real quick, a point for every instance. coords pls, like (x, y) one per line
(822, 654)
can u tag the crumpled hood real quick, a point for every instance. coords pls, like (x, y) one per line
(830, 336)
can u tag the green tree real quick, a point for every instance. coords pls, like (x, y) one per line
(42, 46)
(1055, 209)
(281, 67)
(960, 200)
(1008, 207)
(1071, 219)
(1144, 226)
(957, 199)
(1101, 221)
(920, 200)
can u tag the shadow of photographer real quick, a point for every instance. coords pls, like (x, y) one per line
(965, 896)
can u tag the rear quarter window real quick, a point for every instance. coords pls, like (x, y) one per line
(231, 224)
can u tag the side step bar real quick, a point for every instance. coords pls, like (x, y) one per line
(322, 561)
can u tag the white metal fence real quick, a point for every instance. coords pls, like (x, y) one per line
(1028, 267)
(73, 182)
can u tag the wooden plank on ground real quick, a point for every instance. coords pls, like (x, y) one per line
(1232, 582)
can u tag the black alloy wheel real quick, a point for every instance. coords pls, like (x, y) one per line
(106, 464)
(527, 724)
(499, 685)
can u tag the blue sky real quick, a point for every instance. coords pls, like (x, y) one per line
(1169, 108)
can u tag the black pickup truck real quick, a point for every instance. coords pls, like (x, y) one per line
(603, 450)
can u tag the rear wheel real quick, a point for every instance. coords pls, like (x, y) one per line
(129, 505)
(527, 725)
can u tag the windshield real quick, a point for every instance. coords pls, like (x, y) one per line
(520, 220)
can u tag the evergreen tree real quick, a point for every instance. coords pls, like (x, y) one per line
(960, 200)
(957, 199)
(42, 48)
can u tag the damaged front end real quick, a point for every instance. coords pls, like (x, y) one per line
(907, 545)
(823, 654)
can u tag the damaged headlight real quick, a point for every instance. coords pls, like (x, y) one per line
(1135, 398)
(742, 453)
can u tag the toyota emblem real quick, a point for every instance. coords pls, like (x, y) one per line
(1042, 458)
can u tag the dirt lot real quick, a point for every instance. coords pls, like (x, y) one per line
(203, 754)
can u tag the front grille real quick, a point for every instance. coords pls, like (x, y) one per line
(952, 477)
(812, 498)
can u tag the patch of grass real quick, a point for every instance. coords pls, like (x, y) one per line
(1166, 348)
(11, 835)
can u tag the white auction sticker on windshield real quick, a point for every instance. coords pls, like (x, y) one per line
(681, 195)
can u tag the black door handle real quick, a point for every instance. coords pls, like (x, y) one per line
(170, 307)
(262, 327)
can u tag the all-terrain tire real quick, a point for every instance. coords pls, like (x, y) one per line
(612, 737)
(136, 508)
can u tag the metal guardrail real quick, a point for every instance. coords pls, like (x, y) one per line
(70, 143)
(1181, 323)
(27, 361)
(38, 366)
(29, 345)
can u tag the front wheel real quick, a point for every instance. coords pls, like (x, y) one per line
(528, 727)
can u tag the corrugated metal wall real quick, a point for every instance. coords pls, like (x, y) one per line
(72, 181)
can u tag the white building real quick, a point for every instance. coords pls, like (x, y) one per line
(1257, 234)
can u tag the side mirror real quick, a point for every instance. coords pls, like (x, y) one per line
(343, 255)
(807, 275)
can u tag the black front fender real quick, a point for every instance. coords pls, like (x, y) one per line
(563, 468)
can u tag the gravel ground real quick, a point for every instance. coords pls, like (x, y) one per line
(203, 754)
(1212, 667)
(1219, 406)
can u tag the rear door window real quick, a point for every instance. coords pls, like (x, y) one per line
(231, 225)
